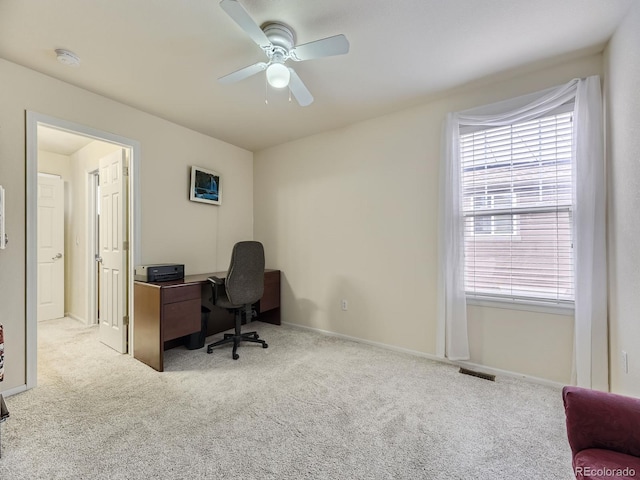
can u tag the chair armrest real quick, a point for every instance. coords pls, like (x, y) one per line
(602, 420)
(216, 280)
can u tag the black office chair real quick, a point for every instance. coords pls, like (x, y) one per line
(242, 288)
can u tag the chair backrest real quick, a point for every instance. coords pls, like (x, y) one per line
(245, 278)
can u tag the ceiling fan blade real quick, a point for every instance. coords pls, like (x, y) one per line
(242, 18)
(299, 89)
(243, 73)
(327, 47)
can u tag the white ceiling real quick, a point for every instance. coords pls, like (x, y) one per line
(164, 56)
(60, 142)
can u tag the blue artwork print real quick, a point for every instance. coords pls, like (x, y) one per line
(205, 186)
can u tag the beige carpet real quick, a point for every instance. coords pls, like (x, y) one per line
(309, 406)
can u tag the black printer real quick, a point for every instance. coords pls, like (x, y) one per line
(159, 273)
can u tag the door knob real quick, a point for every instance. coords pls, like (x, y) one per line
(59, 255)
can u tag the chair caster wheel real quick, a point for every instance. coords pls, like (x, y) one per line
(209, 350)
(236, 356)
(256, 336)
(264, 345)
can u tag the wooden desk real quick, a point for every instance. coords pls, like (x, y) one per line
(164, 312)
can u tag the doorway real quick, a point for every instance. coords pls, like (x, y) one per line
(81, 239)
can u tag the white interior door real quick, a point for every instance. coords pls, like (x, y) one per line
(50, 247)
(113, 255)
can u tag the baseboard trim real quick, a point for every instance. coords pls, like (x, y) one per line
(430, 356)
(369, 342)
(14, 391)
(76, 317)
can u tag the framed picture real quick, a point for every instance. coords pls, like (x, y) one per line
(205, 186)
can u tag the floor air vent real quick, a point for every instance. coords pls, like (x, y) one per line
(486, 376)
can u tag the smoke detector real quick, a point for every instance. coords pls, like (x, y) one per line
(67, 58)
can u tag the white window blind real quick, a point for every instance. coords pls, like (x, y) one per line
(517, 209)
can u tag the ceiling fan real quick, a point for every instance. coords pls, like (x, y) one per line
(277, 40)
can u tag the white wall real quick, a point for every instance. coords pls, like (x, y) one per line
(55, 164)
(536, 344)
(622, 63)
(353, 213)
(172, 227)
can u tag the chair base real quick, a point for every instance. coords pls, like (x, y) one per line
(238, 336)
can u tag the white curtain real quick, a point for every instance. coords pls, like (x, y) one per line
(591, 366)
(452, 341)
(591, 360)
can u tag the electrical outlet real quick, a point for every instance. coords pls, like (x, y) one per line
(344, 304)
(625, 362)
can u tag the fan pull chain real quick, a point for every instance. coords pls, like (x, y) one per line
(266, 90)
(289, 95)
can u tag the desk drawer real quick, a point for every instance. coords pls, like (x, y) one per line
(180, 293)
(181, 318)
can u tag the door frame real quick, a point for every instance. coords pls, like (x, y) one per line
(33, 120)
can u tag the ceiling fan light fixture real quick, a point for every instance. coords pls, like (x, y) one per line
(278, 75)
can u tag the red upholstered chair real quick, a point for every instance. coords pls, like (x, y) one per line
(604, 434)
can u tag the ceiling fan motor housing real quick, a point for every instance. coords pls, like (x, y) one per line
(280, 35)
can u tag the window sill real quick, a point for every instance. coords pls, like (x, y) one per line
(529, 306)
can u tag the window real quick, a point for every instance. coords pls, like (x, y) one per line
(516, 183)
(486, 199)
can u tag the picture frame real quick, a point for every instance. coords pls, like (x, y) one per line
(205, 186)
